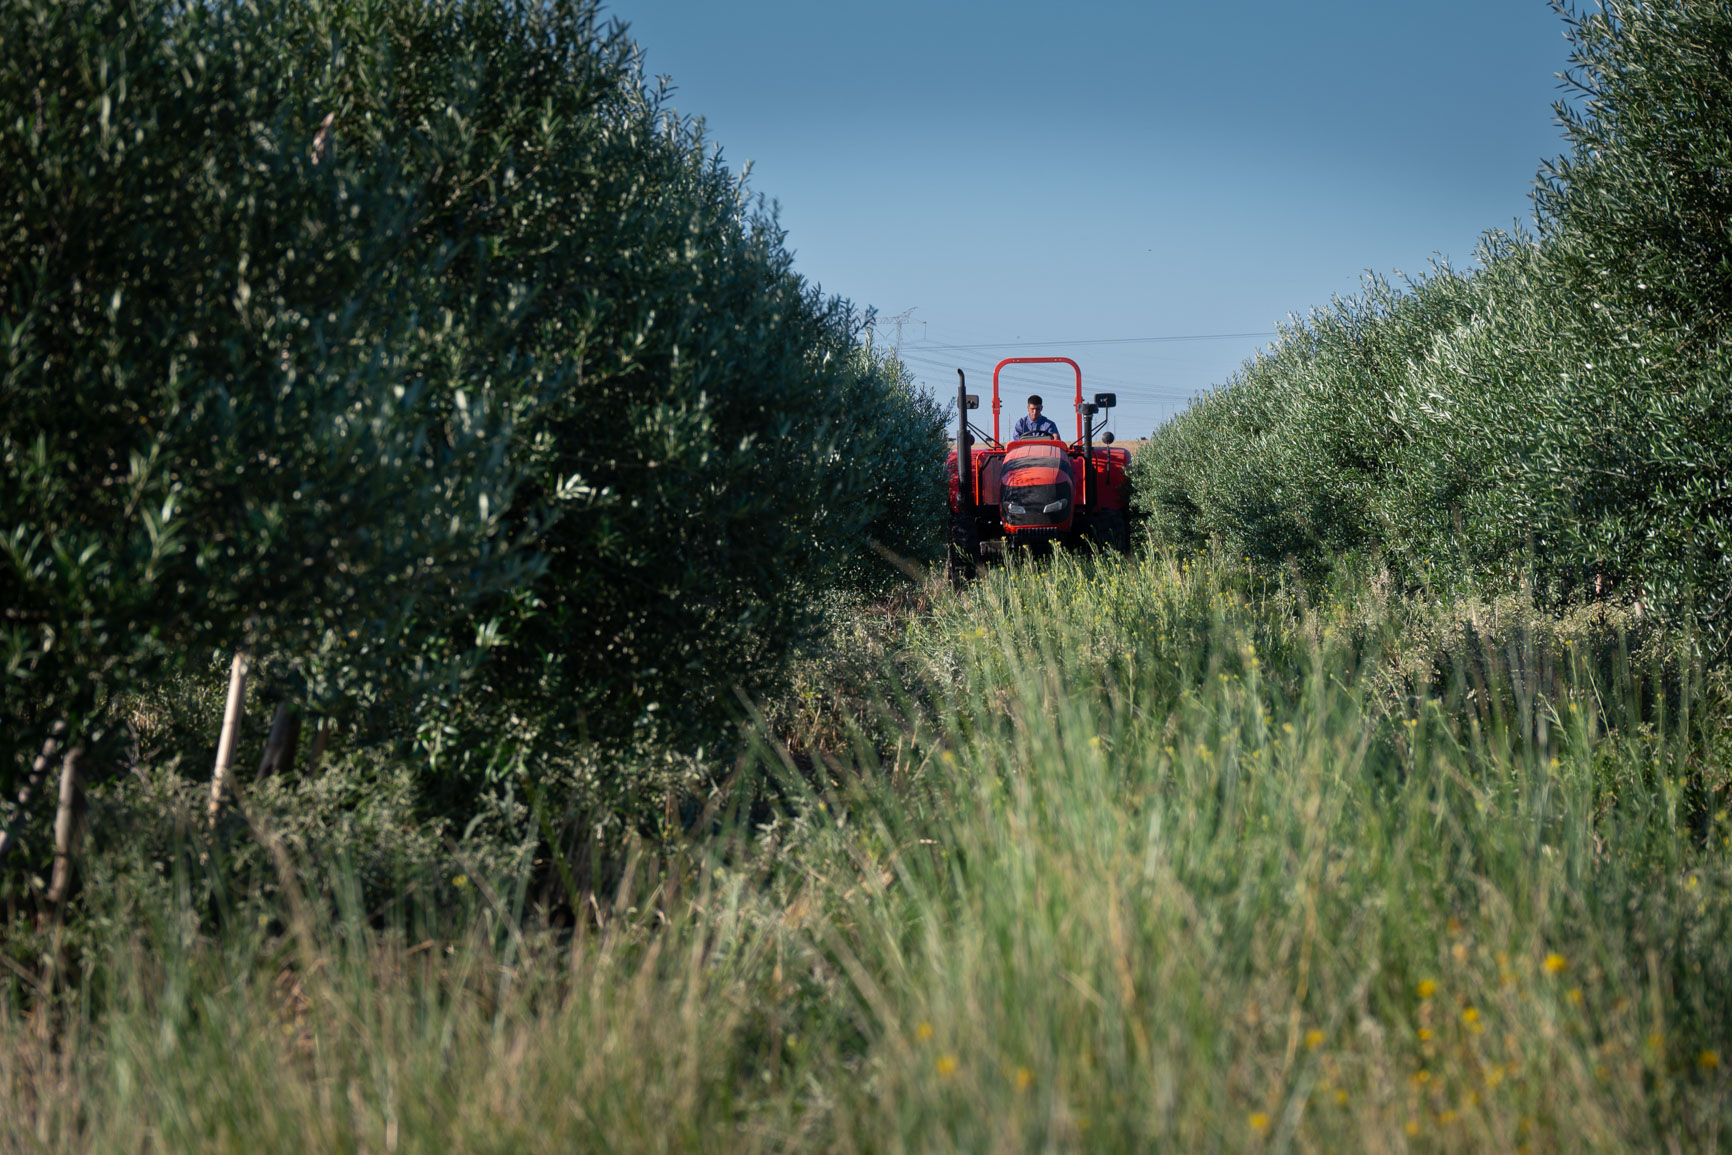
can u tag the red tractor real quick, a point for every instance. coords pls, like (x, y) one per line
(1034, 492)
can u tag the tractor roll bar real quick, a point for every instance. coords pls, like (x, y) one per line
(997, 404)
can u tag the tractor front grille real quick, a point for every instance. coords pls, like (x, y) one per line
(1036, 533)
(1027, 505)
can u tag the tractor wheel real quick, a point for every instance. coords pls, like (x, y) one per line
(963, 553)
(1109, 531)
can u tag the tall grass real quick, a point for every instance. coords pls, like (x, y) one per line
(1169, 854)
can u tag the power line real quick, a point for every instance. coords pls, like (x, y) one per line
(1106, 341)
(1141, 393)
(947, 369)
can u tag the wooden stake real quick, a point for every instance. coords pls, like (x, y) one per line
(284, 737)
(321, 739)
(64, 823)
(231, 728)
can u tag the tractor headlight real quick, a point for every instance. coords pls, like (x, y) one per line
(1054, 506)
(1014, 508)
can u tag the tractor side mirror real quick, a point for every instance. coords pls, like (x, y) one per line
(973, 400)
(1086, 409)
(1107, 437)
(1106, 400)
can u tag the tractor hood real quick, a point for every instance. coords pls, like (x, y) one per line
(1037, 490)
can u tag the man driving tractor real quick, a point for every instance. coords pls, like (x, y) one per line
(1034, 425)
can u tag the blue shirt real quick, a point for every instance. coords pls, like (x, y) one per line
(1041, 426)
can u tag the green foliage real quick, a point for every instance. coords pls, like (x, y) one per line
(1642, 201)
(250, 401)
(901, 430)
(1563, 407)
(1636, 216)
(725, 492)
(1295, 456)
(378, 338)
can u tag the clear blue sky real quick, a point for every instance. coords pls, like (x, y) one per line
(1017, 172)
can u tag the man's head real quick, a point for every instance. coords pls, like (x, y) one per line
(1034, 406)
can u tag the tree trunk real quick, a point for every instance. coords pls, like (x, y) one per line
(231, 728)
(38, 771)
(285, 736)
(65, 823)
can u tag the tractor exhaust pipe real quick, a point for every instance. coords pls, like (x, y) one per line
(1088, 424)
(964, 450)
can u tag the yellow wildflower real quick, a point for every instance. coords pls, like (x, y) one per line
(1425, 1034)
(1575, 996)
(1426, 988)
(1340, 1097)
(1556, 963)
(946, 1066)
(1313, 1039)
(1259, 1122)
(923, 1031)
(1470, 1016)
(1708, 1060)
(1024, 1078)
